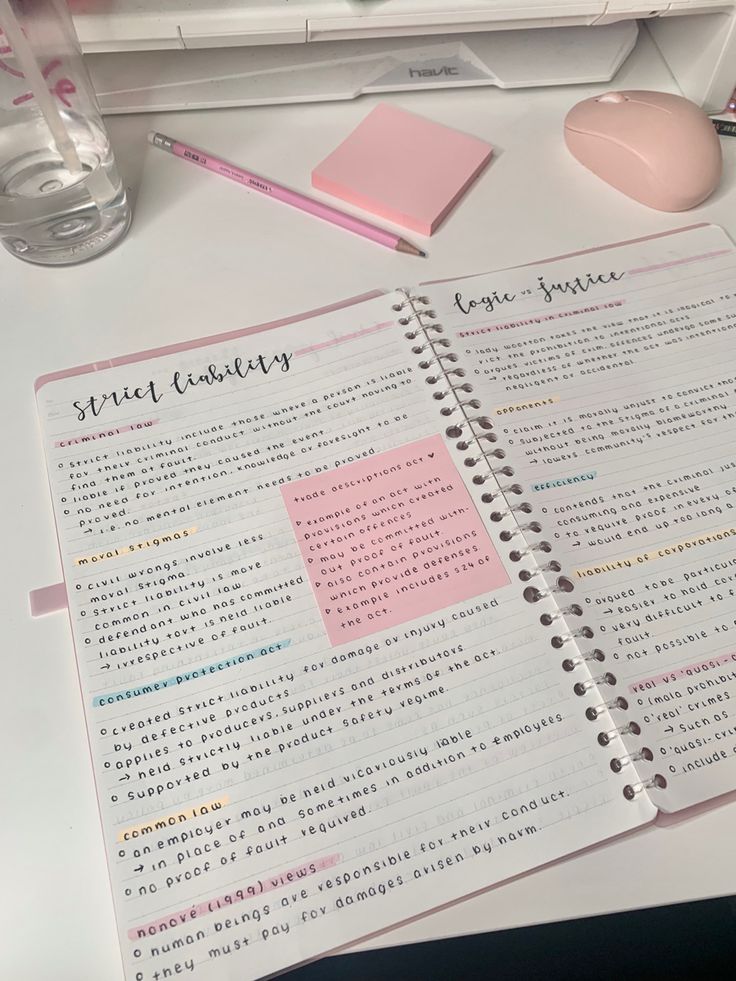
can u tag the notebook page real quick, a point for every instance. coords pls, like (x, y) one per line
(316, 701)
(610, 376)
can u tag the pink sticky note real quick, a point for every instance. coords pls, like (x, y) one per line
(402, 167)
(391, 538)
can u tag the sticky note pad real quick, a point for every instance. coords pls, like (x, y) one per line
(404, 168)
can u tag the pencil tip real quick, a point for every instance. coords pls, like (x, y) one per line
(403, 246)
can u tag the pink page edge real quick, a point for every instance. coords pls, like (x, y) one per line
(472, 178)
(571, 255)
(157, 352)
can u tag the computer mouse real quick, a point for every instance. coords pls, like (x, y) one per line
(657, 148)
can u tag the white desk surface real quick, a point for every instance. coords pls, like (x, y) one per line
(204, 256)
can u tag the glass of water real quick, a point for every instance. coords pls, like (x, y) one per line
(61, 197)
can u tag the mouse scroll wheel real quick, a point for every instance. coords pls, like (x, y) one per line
(612, 97)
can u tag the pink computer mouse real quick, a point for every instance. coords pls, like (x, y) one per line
(659, 149)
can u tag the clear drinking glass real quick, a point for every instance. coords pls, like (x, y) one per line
(61, 197)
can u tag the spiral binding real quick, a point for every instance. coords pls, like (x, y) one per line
(472, 432)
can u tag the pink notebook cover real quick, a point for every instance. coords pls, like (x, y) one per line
(404, 168)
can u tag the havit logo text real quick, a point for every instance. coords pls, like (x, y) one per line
(433, 72)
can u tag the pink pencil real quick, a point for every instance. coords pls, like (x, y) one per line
(281, 193)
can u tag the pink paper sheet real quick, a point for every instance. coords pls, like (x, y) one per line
(373, 531)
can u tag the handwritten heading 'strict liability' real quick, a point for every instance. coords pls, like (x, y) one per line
(181, 383)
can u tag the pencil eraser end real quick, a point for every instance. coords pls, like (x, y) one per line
(151, 136)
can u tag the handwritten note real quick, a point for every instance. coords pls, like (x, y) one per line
(615, 395)
(267, 791)
(391, 538)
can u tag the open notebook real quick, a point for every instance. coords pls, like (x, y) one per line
(380, 608)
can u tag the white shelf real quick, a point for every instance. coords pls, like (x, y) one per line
(202, 256)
